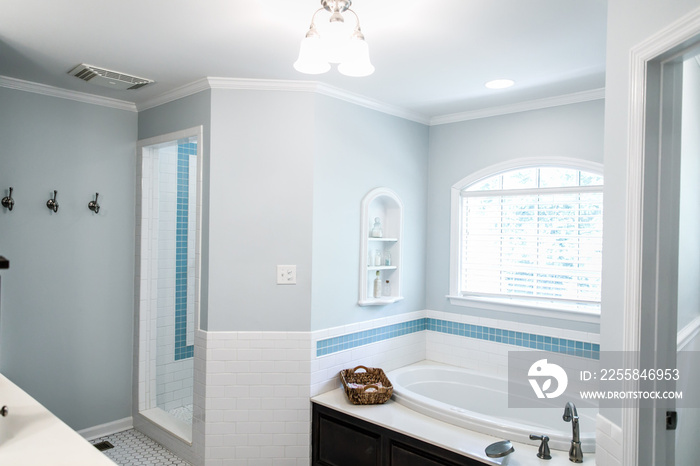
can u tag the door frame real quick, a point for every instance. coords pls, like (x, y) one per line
(145, 315)
(647, 85)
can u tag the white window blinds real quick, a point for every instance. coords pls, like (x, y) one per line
(540, 238)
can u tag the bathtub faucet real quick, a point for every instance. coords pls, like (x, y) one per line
(571, 415)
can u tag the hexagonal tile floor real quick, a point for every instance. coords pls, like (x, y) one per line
(132, 448)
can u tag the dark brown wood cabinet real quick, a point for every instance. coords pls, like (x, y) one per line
(342, 440)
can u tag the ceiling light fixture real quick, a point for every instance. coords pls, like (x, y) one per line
(334, 42)
(499, 83)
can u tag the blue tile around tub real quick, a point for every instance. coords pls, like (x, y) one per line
(509, 337)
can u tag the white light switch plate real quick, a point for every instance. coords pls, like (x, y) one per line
(286, 274)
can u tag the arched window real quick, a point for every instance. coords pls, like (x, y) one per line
(529, 236)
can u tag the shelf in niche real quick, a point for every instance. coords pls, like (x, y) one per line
(386, 205)
(380, 301)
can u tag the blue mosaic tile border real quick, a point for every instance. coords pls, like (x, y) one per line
(184, 150)
(365, 337)
(509, 337)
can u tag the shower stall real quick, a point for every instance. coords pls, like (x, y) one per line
(168, 242)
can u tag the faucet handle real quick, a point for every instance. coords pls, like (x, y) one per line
(543, 452)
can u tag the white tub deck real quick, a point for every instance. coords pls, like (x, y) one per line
(396, 417)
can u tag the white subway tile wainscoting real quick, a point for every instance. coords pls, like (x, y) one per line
(252, 390)
(257, 398)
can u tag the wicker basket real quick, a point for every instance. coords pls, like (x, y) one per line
(370, 387)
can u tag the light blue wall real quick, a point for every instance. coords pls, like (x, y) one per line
(185, 113)
(288, 170)
(460, 149)
(261, 188)
(303, 162)
(66, 317)
(358, 149)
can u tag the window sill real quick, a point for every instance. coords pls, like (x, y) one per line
(549, 309)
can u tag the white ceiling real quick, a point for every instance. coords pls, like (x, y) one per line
(431, 57)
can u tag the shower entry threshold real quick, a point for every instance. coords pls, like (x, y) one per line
(170, 423)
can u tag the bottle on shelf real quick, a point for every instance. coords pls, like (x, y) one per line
(377, 286)
(377, 258)
(376, 231)
(387, 258)
(386, 289)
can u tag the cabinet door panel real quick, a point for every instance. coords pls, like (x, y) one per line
(342, 440)
(342, 444)
(403, 455)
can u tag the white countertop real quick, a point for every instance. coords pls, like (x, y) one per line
(31, 436)
(465, 442)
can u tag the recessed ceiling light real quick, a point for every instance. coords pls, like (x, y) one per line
(499, 83)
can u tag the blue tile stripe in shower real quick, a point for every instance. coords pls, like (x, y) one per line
(184, 150)
(521, 339)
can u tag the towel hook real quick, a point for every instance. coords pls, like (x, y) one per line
(51, 203)
(93, 205)
(8, 202)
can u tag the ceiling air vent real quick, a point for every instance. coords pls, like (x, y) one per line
(108, 78)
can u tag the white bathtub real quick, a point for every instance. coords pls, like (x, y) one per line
(480, 403)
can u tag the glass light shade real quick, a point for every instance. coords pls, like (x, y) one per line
(311, 57)
(356, 63)
(335, 37)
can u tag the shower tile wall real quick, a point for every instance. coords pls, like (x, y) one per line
(191, 245)
(185, 222)
(173, 375)
(194, 452)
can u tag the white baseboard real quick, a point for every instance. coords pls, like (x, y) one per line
(107, 429)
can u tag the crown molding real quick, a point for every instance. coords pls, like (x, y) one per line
(44, 89)
(357, 99)
(175, 94)
(318, 88)
(281, 85)
(567, 99)
(262, 84)
(377, 105)
(207, 83)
